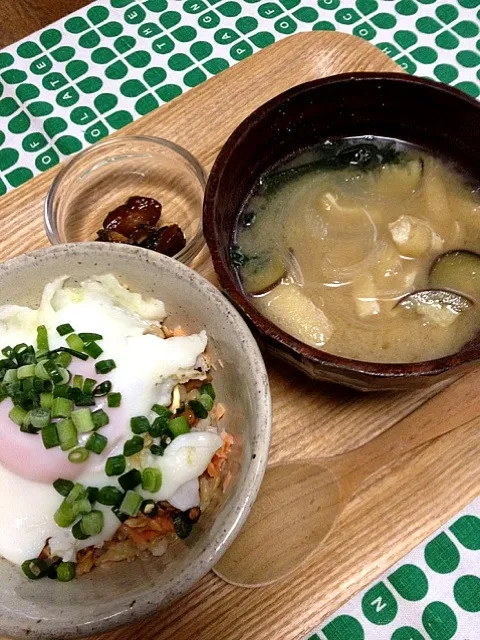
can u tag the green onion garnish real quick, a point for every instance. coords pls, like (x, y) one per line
(39, 418)
(92, 494)
(77, 382)
(109, 496)
(74, 342)
(82, 419)
(77, 493)
(63, 487)
(84, 400)
(46, 400)
(100, 419)
(207, 388)
(64, 329)
(7, 352)
(130, 480)
(156, 450)
(179, 426)
(10, 376)
(92, 523)
(105, 366)
(120, 515)
(42, 338)
(96, 443)
(115, 465)
(90, 337)
(159, 426)
(78, 455)
(149, 508)
(63, 359)
(66, 571)
(114, 399)
(131, 503)
(206, 400)
(89, 385)
(139, 424)
(162, 411)
(61, 408)
(133, 446)
(55, 373)
(103, 388)
(77, 531)
(198, 409)
(17, 414)
(40, 371)
(26, 371)
(82, 506)
(61, 391)
(34, 569)
(67, 434)
(93, 349)
(151, 479)
(65, 516)
(50, 436)
(166, 439)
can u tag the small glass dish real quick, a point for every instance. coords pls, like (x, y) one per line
(108, 173)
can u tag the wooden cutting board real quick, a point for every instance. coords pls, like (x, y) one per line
(398, 507)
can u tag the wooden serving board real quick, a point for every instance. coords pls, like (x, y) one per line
(394, 510)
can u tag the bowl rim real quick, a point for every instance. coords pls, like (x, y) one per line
(193, 246)
(12, 624)
(267, 329)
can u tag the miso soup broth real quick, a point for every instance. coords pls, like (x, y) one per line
(365, 248)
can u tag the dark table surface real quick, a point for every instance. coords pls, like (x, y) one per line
(19, 18)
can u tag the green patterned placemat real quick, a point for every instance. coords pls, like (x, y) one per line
(433, 593)
(99, 69)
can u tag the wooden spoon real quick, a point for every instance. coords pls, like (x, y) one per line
(300, 501)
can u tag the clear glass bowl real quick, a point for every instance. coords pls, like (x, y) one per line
(106, 174)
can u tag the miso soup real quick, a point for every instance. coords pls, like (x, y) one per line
(365, 248)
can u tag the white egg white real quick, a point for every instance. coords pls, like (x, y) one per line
(147, 369)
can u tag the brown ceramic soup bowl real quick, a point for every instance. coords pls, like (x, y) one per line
(421, 112)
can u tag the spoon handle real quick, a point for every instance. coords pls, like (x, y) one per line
(453, 407)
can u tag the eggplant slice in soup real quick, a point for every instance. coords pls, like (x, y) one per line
(457, 271)
(435, 305)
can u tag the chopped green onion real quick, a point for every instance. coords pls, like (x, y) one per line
(198, 409)
(63, 359)
(27, 427)
(17, 414)
(63, 329)
(57, 353)
(93, 349)
(131, 503)
(66, 571)
(89, 385)
(159, 426)
(46, 400)
(92, 494)
(139, 424)
(27, 383)
(67, 434)
(182, 526)
(77, 531)
(74, 342)
(105, 366)
(7, 352)
(207, 388)
(109, 496)
(40, 385)
(34, 569)
(25, 355)
(84, 400)
(179, 426)
(53, 372)
(96, 443)
(115, 465)
(133, 446)
(156, 450)
(206, 400)
(63, 487)
(82, 506)
(114, 399)
(50, 436)
(77, 493)
(151, 479)
(130, 480)
(39, 418)
(120, 515)
(78, 455)
(90, 337)
(162, 411)
(100, 419)
(166, 439)
(149, 508)
(42, 338)
(103, 388)
(92, 523)
(65, 515)
(77, 382)
(10, 376)
(61, 391)
(61, 408)
(82, 419)
(26, 371)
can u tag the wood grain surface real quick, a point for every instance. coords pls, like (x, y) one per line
(20, 18)
(397, 507)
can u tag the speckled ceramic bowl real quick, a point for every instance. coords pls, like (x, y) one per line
(108, 598)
